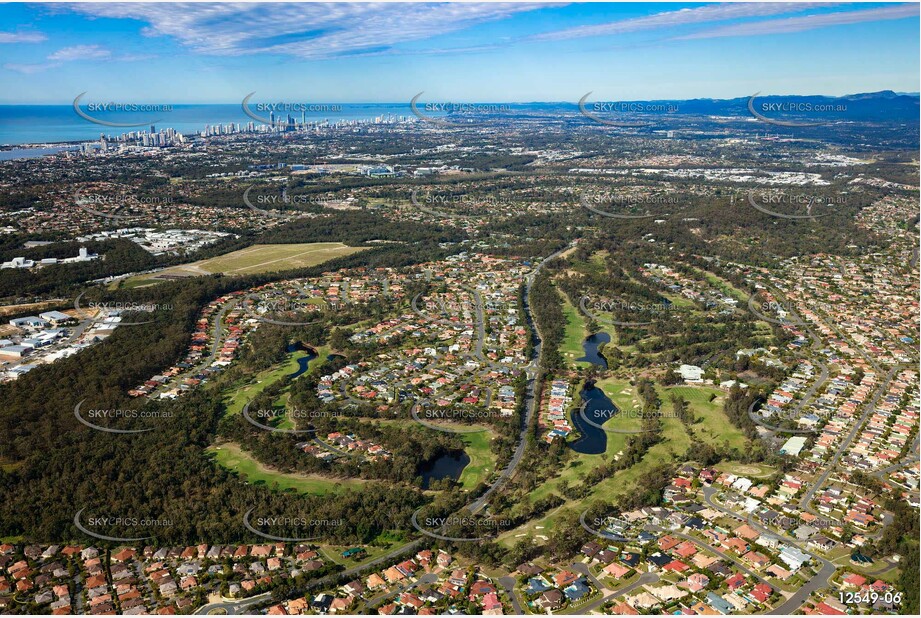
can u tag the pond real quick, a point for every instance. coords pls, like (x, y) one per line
(450, 465)
(591, 345)
(598, 408)
(303, 363)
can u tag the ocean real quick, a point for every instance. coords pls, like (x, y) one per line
(52, 124)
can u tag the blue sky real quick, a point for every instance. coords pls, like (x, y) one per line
(508, 52)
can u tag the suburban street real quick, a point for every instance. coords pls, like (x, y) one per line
(819, 580)
(475, 506)
(530, 403)
(503, 309)
(233, 607)
(806, 501)
(644, 579)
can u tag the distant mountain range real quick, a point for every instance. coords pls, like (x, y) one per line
(885, 106)
(882, 106)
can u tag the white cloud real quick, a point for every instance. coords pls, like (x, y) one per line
(681, 17)
(22, 37)
(307, 30)
(29, 69)
(329, 30)
(65, 54)
(80, 52)
(808, 22)
(134, 57)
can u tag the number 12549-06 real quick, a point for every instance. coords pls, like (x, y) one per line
(869, 598)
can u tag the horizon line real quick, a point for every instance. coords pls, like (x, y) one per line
(291, 100)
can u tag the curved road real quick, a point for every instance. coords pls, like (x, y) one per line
(817, 581)
(533, 374)
(231, 606)
(217, 334)
(644, 579)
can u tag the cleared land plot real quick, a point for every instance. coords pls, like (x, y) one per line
(229, 455)
(29, 308)
(752, 470)
(252, 260)
(8, 466)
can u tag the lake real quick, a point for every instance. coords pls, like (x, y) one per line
(598, 408)
(450, 465)
(591, 345)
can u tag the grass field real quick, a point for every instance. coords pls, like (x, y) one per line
(8, 466)
(333, 553)
(247, 391)
(229, 455)
(580, 463)
(713, 427)
(677, 300)
(574, 335)
(754, 470)
(594, 265)
(723, 285)
(482, 463)
(252, 260)
(237, 398)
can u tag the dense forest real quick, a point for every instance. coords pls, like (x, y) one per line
(49, 458)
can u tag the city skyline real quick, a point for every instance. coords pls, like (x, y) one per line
(512, 52)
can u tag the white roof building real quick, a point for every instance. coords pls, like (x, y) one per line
(691, 373)
(793, 446)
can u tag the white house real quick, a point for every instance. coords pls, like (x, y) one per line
(691, 373)
(793, 557)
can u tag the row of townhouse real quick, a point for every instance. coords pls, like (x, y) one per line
(556, 401)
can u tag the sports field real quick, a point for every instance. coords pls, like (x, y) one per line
(252, 260)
